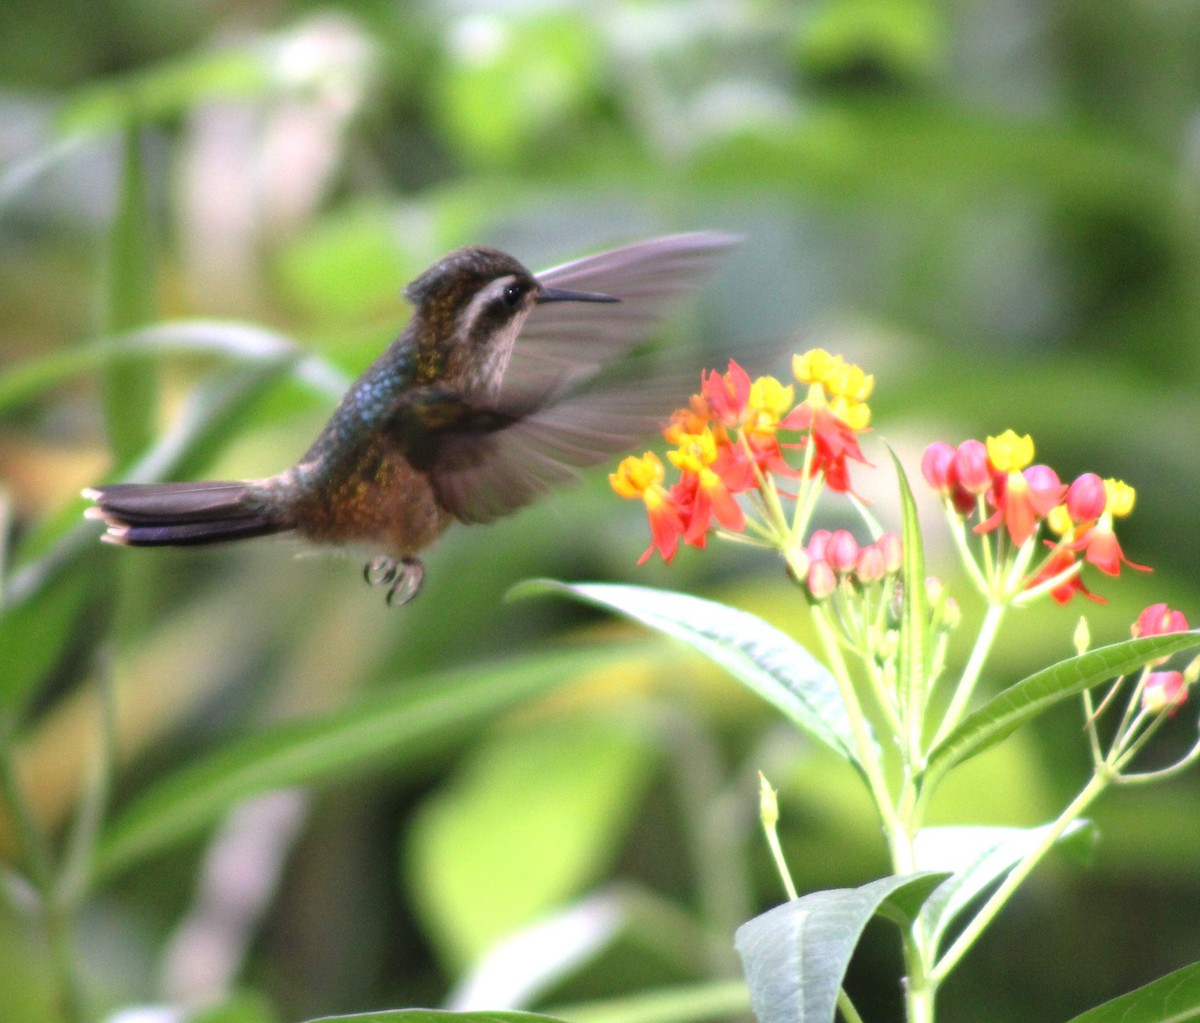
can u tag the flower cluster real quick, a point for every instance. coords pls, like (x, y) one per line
(727, 445)
(1014, 498)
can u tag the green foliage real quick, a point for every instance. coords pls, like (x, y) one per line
(205, 227)
(796, 955)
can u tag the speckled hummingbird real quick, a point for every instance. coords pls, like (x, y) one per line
(495, 390)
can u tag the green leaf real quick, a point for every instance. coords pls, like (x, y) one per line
(403, 727)
(131, 389)
(212, 416)
(1174, 998)
(764, 659)
(692, 1003)
(976, 857)
(915, 656)
(438, 1016)
(239, 342)
(1020, 703)
(795, 955)
(555, 801)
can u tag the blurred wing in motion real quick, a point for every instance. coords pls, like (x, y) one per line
(570, 397)
(564, 344)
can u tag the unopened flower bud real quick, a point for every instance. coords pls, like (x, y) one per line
(1042, 478)
(1083, 636)
(870, 567)
(821, 580)
(842, 551)
(892, 549)
(936, 466)
(817, 543)
(951, 614)
(1163, 691)
(768, 802)
(1086, 498)
(972, 470)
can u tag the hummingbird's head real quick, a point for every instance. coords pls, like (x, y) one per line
(471, 305)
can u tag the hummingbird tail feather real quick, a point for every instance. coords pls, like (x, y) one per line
(182, 514)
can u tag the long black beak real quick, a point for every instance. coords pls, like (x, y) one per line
(545, 294)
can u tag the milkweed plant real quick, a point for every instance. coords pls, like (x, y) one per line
(747, 463)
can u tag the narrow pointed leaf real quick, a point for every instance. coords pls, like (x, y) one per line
(1020, 703)
(764, 659)
(913, 666)
(131, 389)
(401, 728)
(1174, 998)
(976, 857)
(796, 955)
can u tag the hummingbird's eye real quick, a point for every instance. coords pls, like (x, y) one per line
(512, 295)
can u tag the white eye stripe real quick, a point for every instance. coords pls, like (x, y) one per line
(483, 298)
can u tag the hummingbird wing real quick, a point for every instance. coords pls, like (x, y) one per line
(563, 344)
(480, 476)
(569, 400)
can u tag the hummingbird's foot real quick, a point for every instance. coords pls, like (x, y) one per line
(403, 578)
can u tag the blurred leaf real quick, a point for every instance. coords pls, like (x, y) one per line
(402, 728)
(532, 818)
(1174, 998)
(766, 660)
(131, 388)
(166, 90)
(772, 664)
(795, 955)
(1020, 703)
(348, 263)
(909, 151)
(720, 999)
(976, 857)
(620, 930)
(510, 82)
(243, 1007)
(437, 1016)
(884, 39)
(229, 339)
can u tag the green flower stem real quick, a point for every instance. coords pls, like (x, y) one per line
(958, 531)
(1178, 767)
(785, 875)
(1096, 784)
(867, 756)
(920, 989)
(971, 673)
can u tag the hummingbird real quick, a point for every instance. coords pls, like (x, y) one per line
(502, 384)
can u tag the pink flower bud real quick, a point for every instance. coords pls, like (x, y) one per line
(1164, 691)
(972, 470)
(842, 551)
(1086, 498)
(817, 543)
(1043, 480)
(892, 549)
(936, 466)
(870, 567)
(821, 580)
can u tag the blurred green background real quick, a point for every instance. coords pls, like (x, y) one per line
(990, 205)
